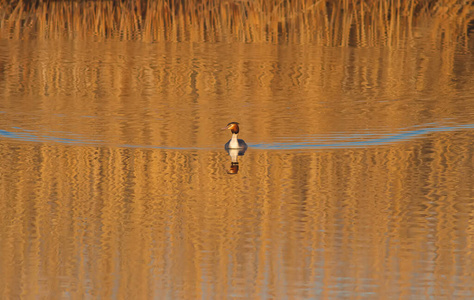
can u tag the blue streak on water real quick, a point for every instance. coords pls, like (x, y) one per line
(314, 142)
(19, 136)
(8, 134)
(385, 139)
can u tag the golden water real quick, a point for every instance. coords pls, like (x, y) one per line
(358, 181)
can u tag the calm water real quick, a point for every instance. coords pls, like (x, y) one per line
(358, 181)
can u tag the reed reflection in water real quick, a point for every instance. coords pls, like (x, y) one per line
(116, 222)
(179, 95)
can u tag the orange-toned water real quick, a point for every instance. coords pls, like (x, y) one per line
(358, 181)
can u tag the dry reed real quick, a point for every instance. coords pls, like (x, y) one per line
(331, 23)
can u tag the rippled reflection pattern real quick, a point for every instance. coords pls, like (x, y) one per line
(392, 221)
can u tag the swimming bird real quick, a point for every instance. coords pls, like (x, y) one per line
(234, 142)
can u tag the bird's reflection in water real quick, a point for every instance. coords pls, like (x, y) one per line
(234, 159)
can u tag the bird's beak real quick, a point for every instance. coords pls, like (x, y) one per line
(227, 127)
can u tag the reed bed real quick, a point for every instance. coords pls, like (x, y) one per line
(331, 23)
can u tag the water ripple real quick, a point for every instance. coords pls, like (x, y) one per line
(335, 140)
(360, 139)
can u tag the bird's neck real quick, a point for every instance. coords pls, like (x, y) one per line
(234, 141)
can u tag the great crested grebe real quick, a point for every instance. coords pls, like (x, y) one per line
(234, 142)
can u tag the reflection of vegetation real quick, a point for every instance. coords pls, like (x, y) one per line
(80, 212)
(329, 22)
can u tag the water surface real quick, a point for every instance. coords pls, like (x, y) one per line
(358, 182)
